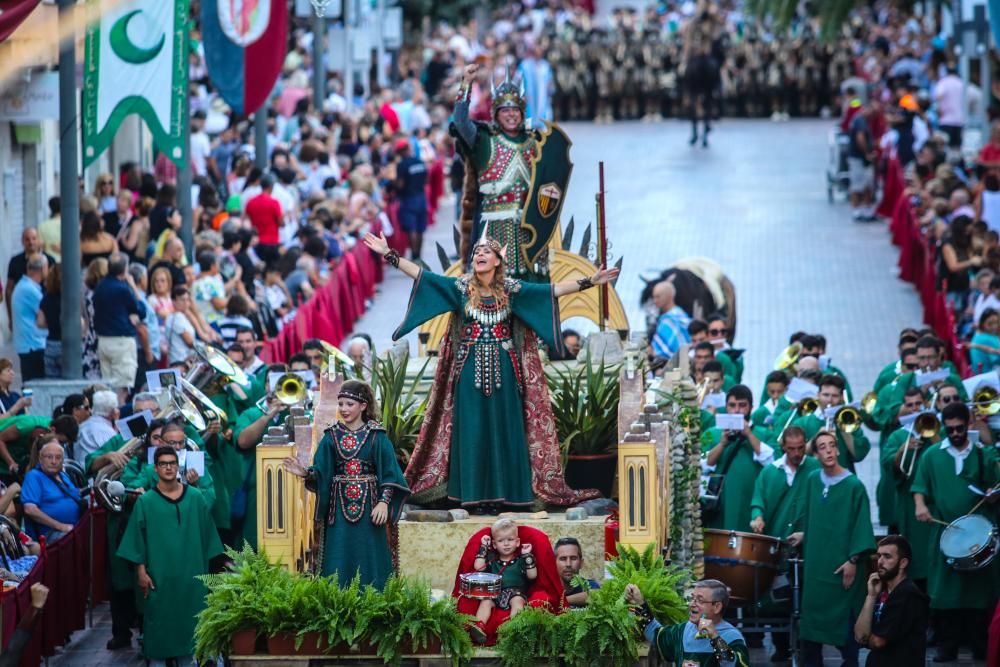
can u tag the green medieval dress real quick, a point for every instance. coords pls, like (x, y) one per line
(351, 472)
(174, 539)
(948, 497)
(489, 436)
(837, 525)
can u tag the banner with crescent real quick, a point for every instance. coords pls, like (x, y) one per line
(550, 174)
(245, 44)
(136, 62)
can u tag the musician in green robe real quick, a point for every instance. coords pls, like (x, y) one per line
(739, 456)
(705, 639)
(836, 531)
(171, 539)
(359, 489)
(239, 459)
(16, 434)
(887, 491)
(778, 499)
(942, 493)
(853, 446)
(775, 386)
(489, 450)
(907, 341)
(899, 462)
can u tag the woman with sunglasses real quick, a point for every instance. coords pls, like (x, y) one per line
(104, 193)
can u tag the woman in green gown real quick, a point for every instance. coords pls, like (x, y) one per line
(359, 489)
(488, 438)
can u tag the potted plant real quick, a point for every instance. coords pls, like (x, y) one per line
(411, 623)
(585, 406)
(233, 611)
(402, 410)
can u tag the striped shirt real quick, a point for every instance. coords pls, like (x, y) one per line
(671, 332)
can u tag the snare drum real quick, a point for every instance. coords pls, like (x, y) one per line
(969, 543)
(479, 585)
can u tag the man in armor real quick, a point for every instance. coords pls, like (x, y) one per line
(499, 158)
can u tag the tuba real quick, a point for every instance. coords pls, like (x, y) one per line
(108, 491)
(211, 372)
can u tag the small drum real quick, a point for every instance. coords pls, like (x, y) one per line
(745, 562)
(479, 585)
(969, 543)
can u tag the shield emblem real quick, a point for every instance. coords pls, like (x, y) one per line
(244, 21)
(550, 174)
(548, 199)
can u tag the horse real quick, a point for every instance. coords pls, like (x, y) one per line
(703, 289)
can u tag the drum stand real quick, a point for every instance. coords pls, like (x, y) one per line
(750, 621)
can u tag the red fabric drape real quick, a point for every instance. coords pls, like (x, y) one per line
(918, 264)
(332, 311)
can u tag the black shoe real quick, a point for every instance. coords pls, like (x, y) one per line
(704, 141)
(781, 655)
(116, 643)
(946, 656)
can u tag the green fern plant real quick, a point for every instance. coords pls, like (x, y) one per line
(661, 585)
(529, 638)
(402, 412)
(236, 600)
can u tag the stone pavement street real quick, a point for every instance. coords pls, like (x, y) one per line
(756, 203)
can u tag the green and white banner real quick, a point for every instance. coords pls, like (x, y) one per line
(137, 62)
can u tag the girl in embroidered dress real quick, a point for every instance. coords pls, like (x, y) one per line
(488, 437)
(359, 488)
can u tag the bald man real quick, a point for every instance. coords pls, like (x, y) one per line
(32, 244)
(672, 325)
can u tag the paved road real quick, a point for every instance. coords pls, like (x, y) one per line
(755, 202)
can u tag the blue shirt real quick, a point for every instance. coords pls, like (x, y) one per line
(25, 304)
(671, 332)
(153, 326)
(56, 499)
(114, 302)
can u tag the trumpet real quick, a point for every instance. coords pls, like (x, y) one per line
(847, 419)
(806, 406)
(926, 425)
(289, 389)
(868, 402)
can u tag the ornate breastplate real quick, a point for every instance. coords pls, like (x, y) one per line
(354, 482)
(503, 187)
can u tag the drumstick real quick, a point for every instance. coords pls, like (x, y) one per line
(943, 523)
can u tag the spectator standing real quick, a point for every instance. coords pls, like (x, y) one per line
(179, 332)
(119, 318)
(266, 216)
(893, 621)
(29, 339)
(672, 326)
(49, 317)
(208, 290)
(201, 145)
(860, 154)
(117, 220)
(31, 243)
(174, 260)
(94, 241)
(99, 428)
(247, 340)
(411, 182)
(150, 345)
(50, 231)
(11, 402)
(133, 237)
(948, 97)
(96, 272)
(171, 539)
(52, 505)
(104, 193)
(164, 216)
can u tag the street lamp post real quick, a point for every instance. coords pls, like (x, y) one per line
(69, 199)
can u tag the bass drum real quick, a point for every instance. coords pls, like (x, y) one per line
(745, 562)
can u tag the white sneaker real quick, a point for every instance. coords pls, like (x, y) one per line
(776, 116)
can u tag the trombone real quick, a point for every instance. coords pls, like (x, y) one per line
(847, 419)
(805, 406)
(926, 425)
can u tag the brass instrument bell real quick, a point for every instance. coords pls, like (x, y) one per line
(788, 357)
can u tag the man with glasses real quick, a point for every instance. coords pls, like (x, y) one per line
(942, 492)
(705, 638)
(52, 504)
(171, 539)
(731, 360)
